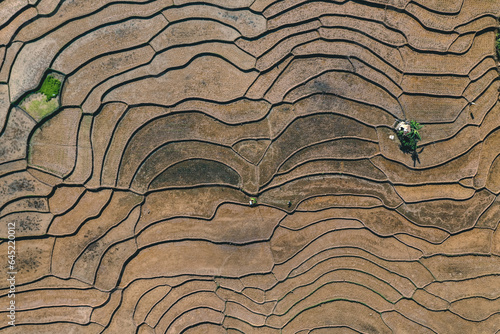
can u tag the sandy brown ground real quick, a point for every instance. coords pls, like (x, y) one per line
(131, 203)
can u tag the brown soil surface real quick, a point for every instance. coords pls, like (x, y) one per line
(131, 203)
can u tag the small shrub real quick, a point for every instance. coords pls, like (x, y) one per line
(253, 201)
(50, 87)
(410, 139)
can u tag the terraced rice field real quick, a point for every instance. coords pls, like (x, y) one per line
(130, 190)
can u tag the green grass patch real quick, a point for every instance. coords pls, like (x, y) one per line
(43, 102)
(50, 87)
(40, 109)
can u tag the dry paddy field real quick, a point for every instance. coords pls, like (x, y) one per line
(231, 166)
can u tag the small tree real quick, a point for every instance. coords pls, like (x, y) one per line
(408, 135)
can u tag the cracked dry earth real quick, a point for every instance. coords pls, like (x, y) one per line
(131, 202)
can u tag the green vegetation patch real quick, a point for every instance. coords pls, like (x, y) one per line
(409, 136)
(44, 101)
(50, 87)
(38, 106)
